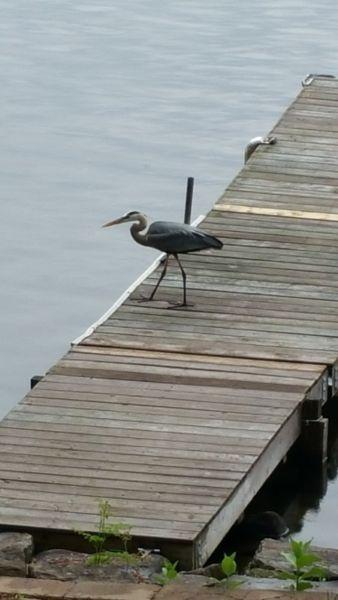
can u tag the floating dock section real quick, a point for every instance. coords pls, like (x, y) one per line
(178, 417)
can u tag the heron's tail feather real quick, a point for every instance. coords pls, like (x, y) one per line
(218, 243)
(212, 241)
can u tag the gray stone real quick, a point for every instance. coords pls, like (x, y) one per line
(260, 572)
(270, 583)
(16, 588)
(247, 583)
(214, 570)
(197, 587)
(264, 583)
(193, 579)
(273, 583)
(66, 565)
(269, 558)
(16, 551)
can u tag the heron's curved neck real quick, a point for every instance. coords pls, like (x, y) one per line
(136, 229)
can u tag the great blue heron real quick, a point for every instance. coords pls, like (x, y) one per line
(171, 238)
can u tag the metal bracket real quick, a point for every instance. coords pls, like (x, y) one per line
(309, 78)
(257, 141)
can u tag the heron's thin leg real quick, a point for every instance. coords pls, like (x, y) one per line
(184, 303)
(160, 279)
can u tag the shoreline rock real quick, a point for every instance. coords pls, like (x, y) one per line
(16, 551)
(66, 565)
(268, 559)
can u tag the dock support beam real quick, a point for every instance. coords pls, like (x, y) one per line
(334, 379)
(314, 435)
(314, 440)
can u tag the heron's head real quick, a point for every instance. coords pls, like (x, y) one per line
(133, 215)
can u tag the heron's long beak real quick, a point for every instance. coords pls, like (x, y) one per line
(115, 222)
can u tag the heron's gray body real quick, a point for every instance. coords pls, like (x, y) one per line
(178, 238)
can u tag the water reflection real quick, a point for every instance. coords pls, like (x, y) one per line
(320, 504)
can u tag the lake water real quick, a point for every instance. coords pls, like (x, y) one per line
(109, 106)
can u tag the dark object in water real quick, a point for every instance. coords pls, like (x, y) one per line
(268, 524)
(245, 537)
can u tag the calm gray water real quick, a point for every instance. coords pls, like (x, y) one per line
(110, 105)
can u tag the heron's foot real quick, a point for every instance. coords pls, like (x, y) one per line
(144, 299)
(180, 305)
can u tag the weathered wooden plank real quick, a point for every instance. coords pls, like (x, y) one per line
(92, 493)
(284, 340)
(239, 413)
(247, 286)
(171, 441)
(295, 159)
(164, 455)
(257, 309)
(142, 437)
(278, 213)
(235, 297)
(258, 348)
(151, 389)
(296, 187)
(224, 364)
(25, 517)
(82, 422)
(193, 371)
(276, 198)
(280, 171)
(295, 229)
(314, 135)
(38, 474)
(217, 217)
(232, 396)
(124, 469)
(241, 323)
(127, 420)
(86, 503)
(249, 264)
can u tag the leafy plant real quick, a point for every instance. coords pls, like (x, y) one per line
(105, 531)
(304, 565)
(229, 569)
(169, 572)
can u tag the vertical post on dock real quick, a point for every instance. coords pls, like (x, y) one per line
(188, 200)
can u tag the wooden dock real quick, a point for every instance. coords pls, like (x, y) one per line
(178, 417)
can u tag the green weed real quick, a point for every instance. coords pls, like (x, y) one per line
(169, 572)
(304, 566)
(106, 530)
(229, 569)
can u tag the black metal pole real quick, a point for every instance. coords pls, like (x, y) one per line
(188, 200)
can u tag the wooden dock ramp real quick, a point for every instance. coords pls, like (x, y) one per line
(178, 417)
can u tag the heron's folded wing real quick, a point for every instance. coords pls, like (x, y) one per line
(179, 240)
